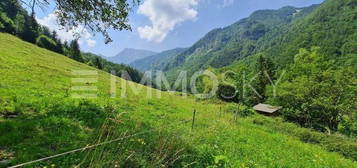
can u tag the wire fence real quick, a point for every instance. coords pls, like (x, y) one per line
(92, 146)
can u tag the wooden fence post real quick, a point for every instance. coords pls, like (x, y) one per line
(236, 114)
(220, 111)
(193, 118)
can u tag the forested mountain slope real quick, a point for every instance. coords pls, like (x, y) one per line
(278, 34)
(221, 47)
(332, 27)
(314, 60)
(130, 55)
(157, 61)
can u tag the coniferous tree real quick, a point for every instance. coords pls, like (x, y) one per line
(65, 45)
(31, 31)
(74, 51)
(66, 48)
(265, 70)
(45, 31)
(59, 46)
(54, 35)
(98, 63)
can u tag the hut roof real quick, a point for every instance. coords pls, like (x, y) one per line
(266, 108)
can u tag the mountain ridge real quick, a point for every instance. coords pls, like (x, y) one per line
(129, 55)
(156, 61)
(222, 46)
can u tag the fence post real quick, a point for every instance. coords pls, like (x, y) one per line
(220, 111)
(193, 118)
(236, 114)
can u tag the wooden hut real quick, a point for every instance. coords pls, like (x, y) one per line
(266, 109)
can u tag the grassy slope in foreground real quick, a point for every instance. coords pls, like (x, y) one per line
(35, 84)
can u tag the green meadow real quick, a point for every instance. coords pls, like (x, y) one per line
(40, 118)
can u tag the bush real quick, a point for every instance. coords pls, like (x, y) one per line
(348, 127)
(6, 24)
(6, 108)
(333, 143)
(245, 111)
(242, 110)
(2, 26)
(231, 108)
(47, 43)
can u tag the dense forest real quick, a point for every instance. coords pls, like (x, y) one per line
(14, 19)
(222, 46)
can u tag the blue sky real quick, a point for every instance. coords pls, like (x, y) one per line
(166, 24)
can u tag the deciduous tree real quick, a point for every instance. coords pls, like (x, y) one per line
(96, 15)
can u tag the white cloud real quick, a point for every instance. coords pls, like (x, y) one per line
(164, 16)
(50, 21)
(227, 3)
(91, 43)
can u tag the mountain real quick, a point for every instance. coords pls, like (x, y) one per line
(332, 27)
(278, 34)
(312, 49)
(101, 63)
(157, 61)
(222, 46)
(42, 115)
(130, 55)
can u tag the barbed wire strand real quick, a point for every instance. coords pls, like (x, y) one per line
(88, 147)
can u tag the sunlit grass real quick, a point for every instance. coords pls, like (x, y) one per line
(35, 86)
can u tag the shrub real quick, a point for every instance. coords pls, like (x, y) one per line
(333, 143)
(242, 110)
(231, 108)
(2, 26)
(7, 107)
(348, 127)
(6, 24)
(245, 111)
(47, 43)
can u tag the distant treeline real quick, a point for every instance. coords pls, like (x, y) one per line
(15, 20)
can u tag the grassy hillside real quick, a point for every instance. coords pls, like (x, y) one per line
(14, 19)
(39, 118)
